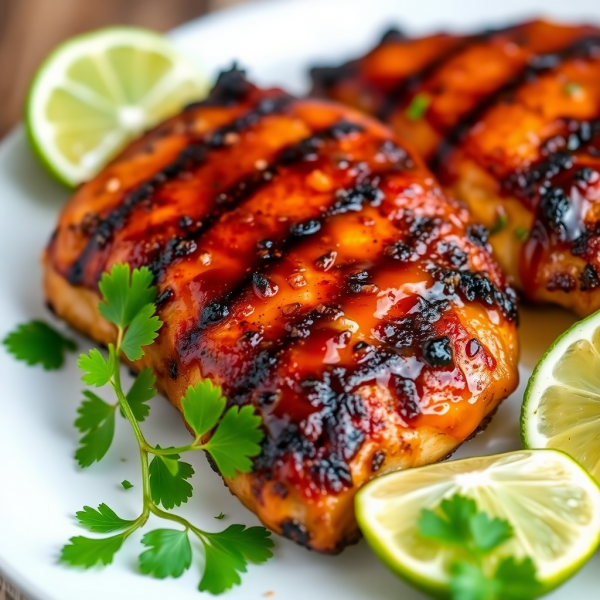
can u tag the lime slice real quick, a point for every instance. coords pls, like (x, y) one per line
(97, 91)
(551, 502)
(561, 408)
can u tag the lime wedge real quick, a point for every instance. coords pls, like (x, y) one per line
(551, 502)
(97, 91)
(561, 408)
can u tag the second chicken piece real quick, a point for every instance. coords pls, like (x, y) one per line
(509, 120)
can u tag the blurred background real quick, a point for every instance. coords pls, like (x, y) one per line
(29, 29)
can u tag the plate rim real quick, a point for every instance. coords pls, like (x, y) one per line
(14, 576)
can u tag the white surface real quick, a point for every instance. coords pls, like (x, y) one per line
(40, 485)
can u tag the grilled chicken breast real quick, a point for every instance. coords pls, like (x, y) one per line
(509, 120)
(310, 265)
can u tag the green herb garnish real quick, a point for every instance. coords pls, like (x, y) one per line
(37, 343)
(231, 436)
(127, 485)
(499, 225)
(418, 107)
(521, 233)
(471, 536)
(573, 89)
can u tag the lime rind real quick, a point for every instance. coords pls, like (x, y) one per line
(550, 472)
(160, 101)
(544, 378)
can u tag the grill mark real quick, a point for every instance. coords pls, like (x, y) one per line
(333, 393)
(553, 189)
(330, 469)
(557, 158)
(342, 401)
(299, 328)
(364, 191)
(189, 158)
(413, 81)
(470, 286)
(245, 188)
(343, 439)
(396, 95)
(538, 64)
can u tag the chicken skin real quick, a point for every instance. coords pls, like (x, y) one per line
(311, 266)
(509, 121)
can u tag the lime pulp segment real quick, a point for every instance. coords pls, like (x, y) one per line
(562, 401)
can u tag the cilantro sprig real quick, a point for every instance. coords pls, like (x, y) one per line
(231, 436)
(472, 536)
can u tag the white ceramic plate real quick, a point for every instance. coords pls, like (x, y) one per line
(40, 485)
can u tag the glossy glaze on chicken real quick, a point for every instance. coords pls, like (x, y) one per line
(509, 120)
(311, 266)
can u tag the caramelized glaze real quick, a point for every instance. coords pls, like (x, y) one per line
(310, 265)
(510, 127)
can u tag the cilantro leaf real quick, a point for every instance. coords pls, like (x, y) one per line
(453, 526)
(512, 581)
(517, 580)
(227, 554)
(489, 533)
(97, 418)
(96, 369)
(203, 405)
(236, 439)
(86, 552)
(92, 412)
(95, 443)
(253, 543)
(457, 522)
(142, 331)
(220, 516)
(432, 526)
(36, 343)
(469, 582)
(141, 392)
(125, 293)
(103, 520)
(127, 485)
(461, 525)
(169, 553)
(168, 484)
(221, 570)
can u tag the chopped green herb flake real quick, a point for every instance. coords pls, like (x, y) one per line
(521, 233)
(418, 107)
(499, 225)
(573, 89)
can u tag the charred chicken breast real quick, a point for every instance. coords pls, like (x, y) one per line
(308, 264)
(509, 121)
